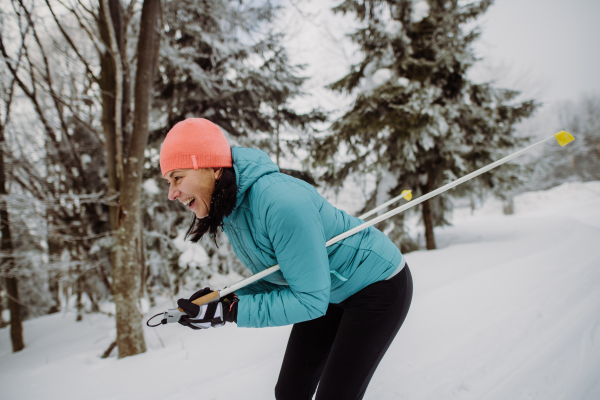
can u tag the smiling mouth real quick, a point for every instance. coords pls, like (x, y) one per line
(189, 202)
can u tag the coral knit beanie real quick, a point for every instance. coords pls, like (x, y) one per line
(194, 143)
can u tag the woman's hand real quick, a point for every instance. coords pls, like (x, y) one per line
(208, 315)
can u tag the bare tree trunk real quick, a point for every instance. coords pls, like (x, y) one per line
(6, 246)
(54, 248)
(3, 323)
(66, 292)
(428, 222)
(54, 286)
(78, 291)
(95, 305)
(6, 243)
(16, 323)
(108, 86)
(12, 286)
(116, 48)
(145, 268)
(127, 269)
(427, 215)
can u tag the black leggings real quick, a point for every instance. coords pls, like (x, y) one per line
(340, 351)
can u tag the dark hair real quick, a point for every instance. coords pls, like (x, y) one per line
(222, 204)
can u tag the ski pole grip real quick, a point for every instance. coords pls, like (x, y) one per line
(207, 298)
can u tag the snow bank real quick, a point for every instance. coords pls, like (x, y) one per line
(557, 199)
(509, 309)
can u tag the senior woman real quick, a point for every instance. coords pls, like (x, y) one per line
(346, 301)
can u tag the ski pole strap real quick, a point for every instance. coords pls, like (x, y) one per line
(170, 316)
(163, 321)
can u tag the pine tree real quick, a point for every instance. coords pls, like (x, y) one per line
(417, 116)
(222, 61)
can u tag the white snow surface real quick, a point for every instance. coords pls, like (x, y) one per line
(507, 308)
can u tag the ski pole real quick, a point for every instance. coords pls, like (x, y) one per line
(407, 194)
(173, 315)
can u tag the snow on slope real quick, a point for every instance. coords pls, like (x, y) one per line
(508, 309)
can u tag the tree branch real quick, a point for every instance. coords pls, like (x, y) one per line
(116, 54)
(92, 37)
(12, 83)
(48, 78)
(94, 15)
(70, 41)
(74, 115)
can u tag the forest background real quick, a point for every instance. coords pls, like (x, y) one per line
(362, 99)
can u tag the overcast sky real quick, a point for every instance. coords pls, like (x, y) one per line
(549, 49)
(553, 44)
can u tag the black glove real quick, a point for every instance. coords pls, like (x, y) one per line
(208, 315)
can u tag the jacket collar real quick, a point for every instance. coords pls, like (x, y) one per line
(249, 165)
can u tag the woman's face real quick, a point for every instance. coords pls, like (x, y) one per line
(193, 187)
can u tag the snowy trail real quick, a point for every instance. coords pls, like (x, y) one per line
(509, 308)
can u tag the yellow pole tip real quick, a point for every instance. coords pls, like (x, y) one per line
(563, 137)
(407, 194)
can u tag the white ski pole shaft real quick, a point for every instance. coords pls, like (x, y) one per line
(442, 189)
(562, 138)
(405, 194)
(275, 268)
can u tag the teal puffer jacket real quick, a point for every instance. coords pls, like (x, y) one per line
(282, 220)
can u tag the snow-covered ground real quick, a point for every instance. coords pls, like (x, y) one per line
(508, 308)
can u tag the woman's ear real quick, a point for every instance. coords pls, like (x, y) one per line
(218, 172)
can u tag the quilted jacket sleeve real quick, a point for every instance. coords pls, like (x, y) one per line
(295, 229)
(257, 287)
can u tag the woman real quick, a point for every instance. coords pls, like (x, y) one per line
(346, 301)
